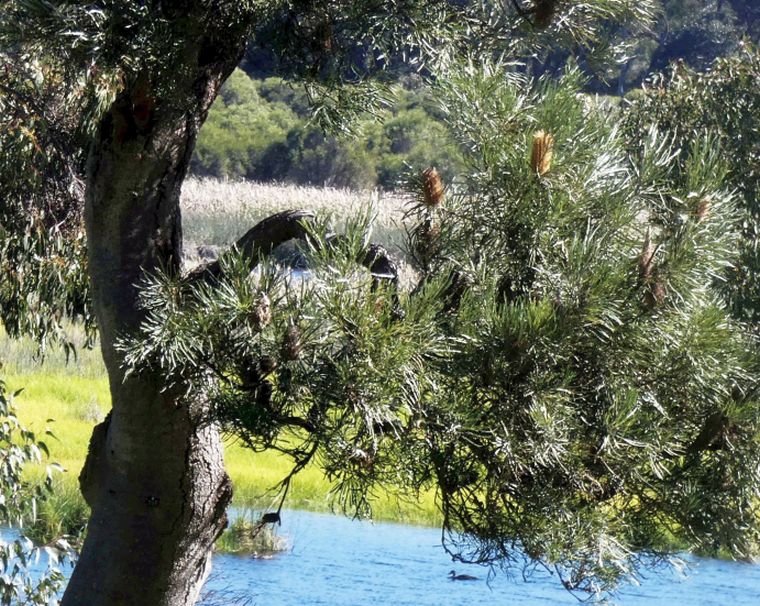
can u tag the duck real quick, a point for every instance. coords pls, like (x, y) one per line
(461, 577)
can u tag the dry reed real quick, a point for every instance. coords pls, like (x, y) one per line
(217, 212)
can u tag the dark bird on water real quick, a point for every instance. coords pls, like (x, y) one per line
(461, 577)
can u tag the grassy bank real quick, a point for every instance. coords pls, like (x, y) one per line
(75, 395)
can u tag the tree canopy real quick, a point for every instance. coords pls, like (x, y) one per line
(564, 372)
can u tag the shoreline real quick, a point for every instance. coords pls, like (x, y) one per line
(77, 401)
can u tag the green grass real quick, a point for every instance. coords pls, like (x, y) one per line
(76, 397)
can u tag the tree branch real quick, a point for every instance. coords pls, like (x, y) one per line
(265, 236)
(259, 241)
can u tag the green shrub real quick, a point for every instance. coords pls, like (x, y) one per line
(240, 129)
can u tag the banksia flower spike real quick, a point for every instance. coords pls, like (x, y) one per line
(261, 315)
(432, 187)
(291, 346)
(541, 152)
(702, 211)
(646, 259)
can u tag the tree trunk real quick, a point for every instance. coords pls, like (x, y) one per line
(154, 474)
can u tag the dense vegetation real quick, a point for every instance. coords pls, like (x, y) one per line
(261, 127)
(261, 130)
(19, 498)
(564, 373)
(695, 32)
(722, 103)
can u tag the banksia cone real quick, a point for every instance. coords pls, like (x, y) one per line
(428, 239)
(656, 293)
(249, 376)
(267, 364)
(262, 313)
(264, 395)
(702, 210)
(543, 12)
(432, 187)
(323, 37)
(291, 347)
(541, 152)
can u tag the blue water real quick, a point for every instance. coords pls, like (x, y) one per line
(335, 561)
(338, 562)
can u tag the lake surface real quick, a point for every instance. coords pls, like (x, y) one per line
(339, 562)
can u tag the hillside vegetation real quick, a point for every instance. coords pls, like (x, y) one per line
(260, 130)
(260, 127)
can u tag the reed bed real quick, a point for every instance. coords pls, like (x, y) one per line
(217, 212)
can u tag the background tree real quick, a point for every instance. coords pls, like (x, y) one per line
(284, 146)
(42, 265)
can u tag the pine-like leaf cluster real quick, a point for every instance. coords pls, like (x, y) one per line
(723, 103)
(565, 373)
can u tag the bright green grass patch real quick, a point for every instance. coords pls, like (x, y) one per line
(77, 402)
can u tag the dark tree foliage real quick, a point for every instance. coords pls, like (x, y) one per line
(723, 102)
(42, 250)
(693, 31)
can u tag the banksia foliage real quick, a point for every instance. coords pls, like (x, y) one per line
(432, 187)
(550, 359)
(262, 313)
(541, 152)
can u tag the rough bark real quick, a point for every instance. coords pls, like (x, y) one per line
(154, 475)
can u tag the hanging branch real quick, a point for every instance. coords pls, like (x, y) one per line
(259, 241)
(268, 234)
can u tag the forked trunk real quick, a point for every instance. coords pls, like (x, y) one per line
(154, 474)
